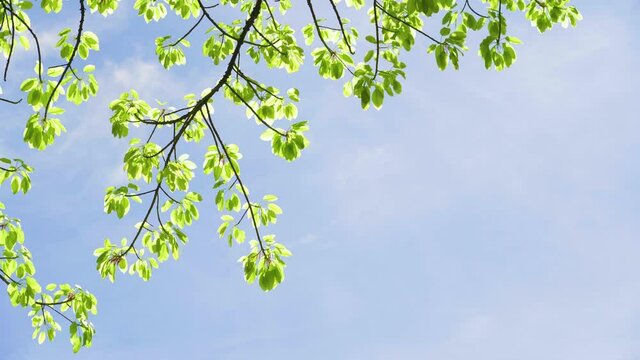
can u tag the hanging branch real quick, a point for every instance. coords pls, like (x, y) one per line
(216, 135)
(344, 33)
(321, 37)
(5, 278)
(499, 22)
(68, 65)
(375, 20)
(188, 117)
(9, 6)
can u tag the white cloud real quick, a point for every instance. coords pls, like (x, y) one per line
(308, 239)
(147, 77)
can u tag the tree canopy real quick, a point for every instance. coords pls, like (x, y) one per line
(368, 59)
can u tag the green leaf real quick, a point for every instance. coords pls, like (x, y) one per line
(378, 98)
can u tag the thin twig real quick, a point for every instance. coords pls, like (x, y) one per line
(409, 25)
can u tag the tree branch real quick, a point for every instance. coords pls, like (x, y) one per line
(255, 12)
(71, 58)
(344, 33)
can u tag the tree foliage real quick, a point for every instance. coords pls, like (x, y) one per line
(370, 66)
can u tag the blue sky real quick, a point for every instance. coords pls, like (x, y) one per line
(479, 215)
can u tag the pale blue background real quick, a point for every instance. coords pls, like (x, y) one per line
(480, 215)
